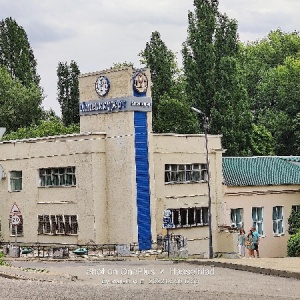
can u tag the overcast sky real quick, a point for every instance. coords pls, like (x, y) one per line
(97, 34)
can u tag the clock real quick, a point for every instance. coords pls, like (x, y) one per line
(102, 86)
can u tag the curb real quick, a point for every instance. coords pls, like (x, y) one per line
(260, 270)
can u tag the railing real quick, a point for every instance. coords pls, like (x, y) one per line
(61, 250)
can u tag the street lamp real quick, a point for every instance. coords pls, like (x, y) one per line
(205, 119)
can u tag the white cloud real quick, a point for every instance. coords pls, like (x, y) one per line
(97, 33)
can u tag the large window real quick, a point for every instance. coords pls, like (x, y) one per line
(187, 217)
(185, 173)
(58, 176)
(15, 181)
(236, 216)
(257, 219)
(16, 228)
(278, 220)
(57, 224)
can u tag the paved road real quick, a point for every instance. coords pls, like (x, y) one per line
(147, 280)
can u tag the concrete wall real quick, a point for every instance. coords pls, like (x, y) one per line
(87, 199)
(187, 149)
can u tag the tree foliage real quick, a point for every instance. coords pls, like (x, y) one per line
(50, 127)
(20, 106)
(68, 92)
(163, 68)
(214, 81)
(294, 222)
(293, 245)
(21, 95)
(16, 54)
(174, 116)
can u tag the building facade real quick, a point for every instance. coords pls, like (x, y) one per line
(111, 182)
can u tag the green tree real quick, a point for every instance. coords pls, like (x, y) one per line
(262, 142)
(293, 245)
(199, 55)
(20, 106)
(279, 105)
(214, 82)
(163, 68)
(16, 54)
(122, 65)
(50, 127)
(294, 222)
(256, 58)
(68, 92)
(175, 116)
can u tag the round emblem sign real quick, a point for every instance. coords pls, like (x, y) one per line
(140, 82)
(102, 86)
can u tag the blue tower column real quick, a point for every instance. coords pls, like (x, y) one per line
(142, 180)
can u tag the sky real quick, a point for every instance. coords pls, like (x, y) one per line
(96, 33)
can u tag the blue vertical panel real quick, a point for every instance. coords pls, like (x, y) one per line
(142, 180)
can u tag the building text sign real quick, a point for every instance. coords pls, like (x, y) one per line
(115, 105)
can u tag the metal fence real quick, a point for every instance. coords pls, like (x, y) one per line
(59, 250)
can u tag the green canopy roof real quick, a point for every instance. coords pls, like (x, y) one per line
(261, 170)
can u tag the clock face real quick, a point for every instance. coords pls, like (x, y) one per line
(102, 86)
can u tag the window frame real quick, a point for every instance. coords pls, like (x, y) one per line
(58, 225)
(256, 222)
(278, 220)
(57, 177)
(233, 212)
(14, 180)
(186, 217)
(296, 207)
(185, 173)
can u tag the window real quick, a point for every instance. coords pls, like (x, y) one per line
(16, 181)
(185, 173)
(57, 224)
(19, 228)
(58, 176)
(278, 220)
(236, 215)
(257, 219)
(295, 208)
(187, 217)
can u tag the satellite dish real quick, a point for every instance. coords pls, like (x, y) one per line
(2, 131)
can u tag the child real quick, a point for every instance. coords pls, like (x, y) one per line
(250, 244)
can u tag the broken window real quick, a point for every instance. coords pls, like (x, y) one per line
(192, 216)
(184, 173)
(57, 224)
(57, 176)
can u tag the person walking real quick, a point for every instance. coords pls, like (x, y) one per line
(250, 244)
(256, 240)
(241, 242)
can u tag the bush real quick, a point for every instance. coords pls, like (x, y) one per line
(294, 222)
(2, 262)
(293, 245)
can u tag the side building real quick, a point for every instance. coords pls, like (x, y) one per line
(259, 192)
